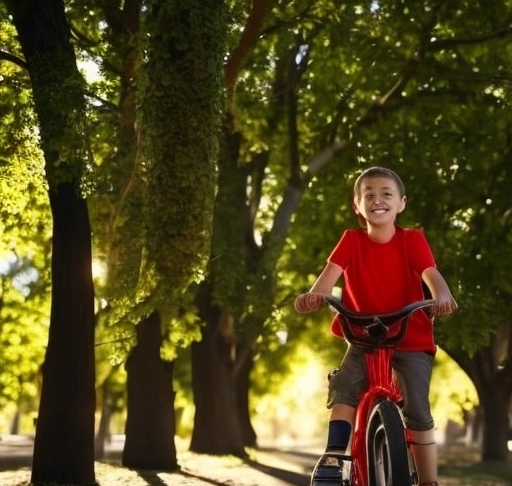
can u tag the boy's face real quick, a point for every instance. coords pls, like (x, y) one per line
(379, 201)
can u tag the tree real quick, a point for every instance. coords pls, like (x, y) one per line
(217, 425)
(181, 75)
(64, 444)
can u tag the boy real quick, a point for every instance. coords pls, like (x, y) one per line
(383, 266)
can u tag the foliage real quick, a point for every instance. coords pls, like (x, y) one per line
(452, 393)
(24, 317)
(25, 229)
(299, 393)
(150, 212)
(181, 75)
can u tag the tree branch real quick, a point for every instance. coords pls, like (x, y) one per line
(246, 45)
(7, 56)
(440, 44)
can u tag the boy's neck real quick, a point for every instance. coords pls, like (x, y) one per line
(381, 233)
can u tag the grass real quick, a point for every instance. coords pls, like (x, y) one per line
(461, 466)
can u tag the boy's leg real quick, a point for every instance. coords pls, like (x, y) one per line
(330, 464)
(414, 371)
(424, 451)
(345, 387)
(340, 427)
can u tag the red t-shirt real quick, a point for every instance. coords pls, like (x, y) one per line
(384, 277)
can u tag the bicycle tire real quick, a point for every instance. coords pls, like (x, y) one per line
(388, 459)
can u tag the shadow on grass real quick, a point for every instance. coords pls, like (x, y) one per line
(151, 478)
(463, 463)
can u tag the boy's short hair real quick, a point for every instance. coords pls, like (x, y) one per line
(378, 172)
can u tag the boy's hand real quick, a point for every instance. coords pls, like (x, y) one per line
(309, 302)
(446, 306)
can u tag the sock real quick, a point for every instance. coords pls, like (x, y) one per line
(338, 435)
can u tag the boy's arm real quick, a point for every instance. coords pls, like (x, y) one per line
(441, 294)
(315, 298)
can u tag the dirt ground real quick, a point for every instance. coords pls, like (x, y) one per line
(263, 468)
(266, 467)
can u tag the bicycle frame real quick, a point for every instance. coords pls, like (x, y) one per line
(378, 351)
(380, 386)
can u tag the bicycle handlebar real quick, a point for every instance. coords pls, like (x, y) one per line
(375, 326)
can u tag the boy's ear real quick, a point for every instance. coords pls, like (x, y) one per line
(403, 204)
(354, 205)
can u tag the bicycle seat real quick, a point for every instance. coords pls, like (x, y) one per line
(375, 326)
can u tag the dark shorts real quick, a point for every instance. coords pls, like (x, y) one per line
(413, 370)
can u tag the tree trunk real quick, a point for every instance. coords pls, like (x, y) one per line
(216, 423)
(103, 433)
(64, 442)
(150, 424)
(491, 374)
(243, 385)
(15, 423)
(495, 407)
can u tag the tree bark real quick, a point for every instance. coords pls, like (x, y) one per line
(243, 386)
(103, 434)
(496, 424)
(492, 376)
(64, 442)
(150, 424)
(216, 422)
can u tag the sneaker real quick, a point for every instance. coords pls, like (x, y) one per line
(329, 467)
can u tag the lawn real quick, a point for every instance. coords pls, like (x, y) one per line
(460, 466)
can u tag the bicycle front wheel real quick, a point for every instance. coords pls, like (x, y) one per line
(388, 462)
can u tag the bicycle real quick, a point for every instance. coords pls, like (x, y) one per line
(379, 453)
